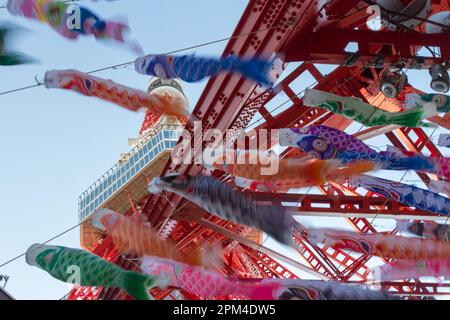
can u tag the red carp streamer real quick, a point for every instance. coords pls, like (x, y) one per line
(135, 236)
(129, 98)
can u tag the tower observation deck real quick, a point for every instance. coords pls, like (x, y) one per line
(126, 182)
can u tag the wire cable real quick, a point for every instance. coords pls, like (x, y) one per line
(113, 67)
(51, 239)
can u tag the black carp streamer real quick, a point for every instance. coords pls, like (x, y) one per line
(223, 201)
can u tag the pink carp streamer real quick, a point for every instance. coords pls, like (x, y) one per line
(381, 245)
(201, 282)
(60, 16)
(211, 285)
(136, 236)
(281, 174)
(406, 269)
(128, 98)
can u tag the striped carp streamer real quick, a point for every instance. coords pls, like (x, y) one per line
(108, 90)
(71, 20)
(426, 229)
(7, 57)
(192, 68)
(326, 143)
(86, 269)
(407, 269)
(136, 236)
(405, 194)
(381, 245)
(444, 140)
(362, 112)
(223, 201)
(285, 173)
(210, 285)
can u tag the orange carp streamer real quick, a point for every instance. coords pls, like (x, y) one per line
(381, 245)
(285, 173)
(135, 236)
(108, 90)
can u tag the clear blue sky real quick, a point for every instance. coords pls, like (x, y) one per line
(55, 143)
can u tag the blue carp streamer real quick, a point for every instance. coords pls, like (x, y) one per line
(192, 68)
(405, 194)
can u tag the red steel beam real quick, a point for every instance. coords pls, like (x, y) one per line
(328, 46)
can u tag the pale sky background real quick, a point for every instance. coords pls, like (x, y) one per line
(56, 143)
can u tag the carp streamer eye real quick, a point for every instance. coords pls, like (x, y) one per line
(320, 145)
(440, 100)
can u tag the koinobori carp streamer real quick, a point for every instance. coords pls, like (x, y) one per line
(136, 236)
(208, 284)
(434, 103)
(201, 282)
(405, 194)
(86, 269)
(296, 289)
(381, 245)
(81, 21)
(362, 112)
(440, 186)
(322, 142)
(426, 229)
(8, 57)
(285, 173)
(444, 140)
(411, 269)
(223, 201)
(192, 68)
(108, 90)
